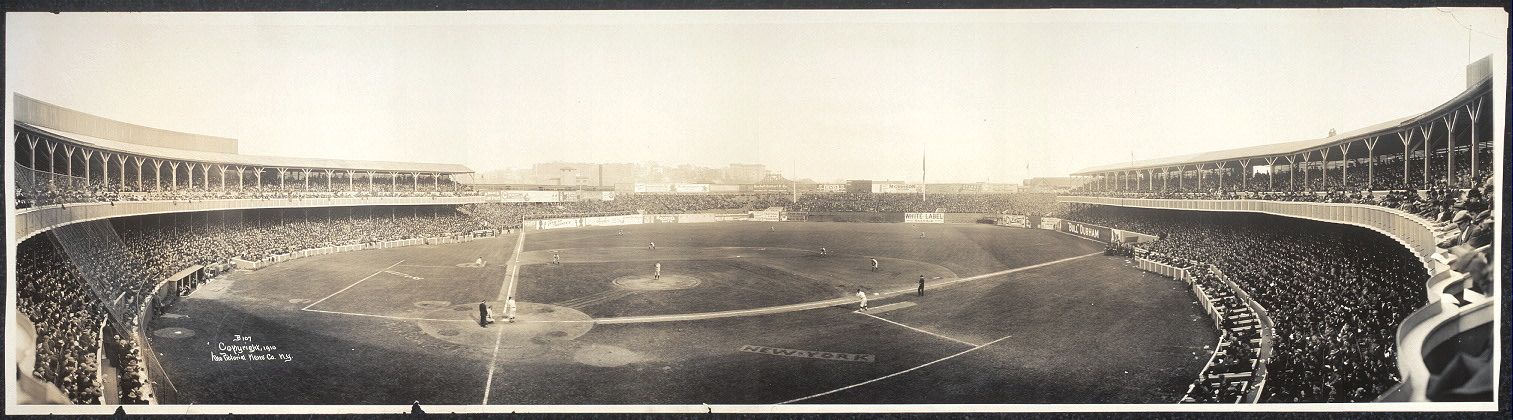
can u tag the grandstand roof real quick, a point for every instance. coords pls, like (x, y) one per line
(247, 160)
(1298, 146)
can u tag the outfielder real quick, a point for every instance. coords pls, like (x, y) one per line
(657, 275)
(874, 264)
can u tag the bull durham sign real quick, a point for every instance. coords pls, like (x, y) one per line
(845, 357)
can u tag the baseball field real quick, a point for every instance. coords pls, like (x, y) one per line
(741, 313)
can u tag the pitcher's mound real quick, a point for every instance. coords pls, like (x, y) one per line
(667, 282)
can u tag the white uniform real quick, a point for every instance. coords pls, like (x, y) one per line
(509, 309)
(658, 272)
(863, 296)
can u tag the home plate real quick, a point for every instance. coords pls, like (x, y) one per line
(889, 307)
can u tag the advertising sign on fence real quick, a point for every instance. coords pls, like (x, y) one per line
(924, 217)
(1049, 223)
(561, 223)
(653, 188)
(768, 215)
(1014, 220)
(1085, 230)
(731, 217)
(695, 218)
(530, 196)
(631, 219)
(691, 188)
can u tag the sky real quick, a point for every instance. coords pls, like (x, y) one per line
(995, 96)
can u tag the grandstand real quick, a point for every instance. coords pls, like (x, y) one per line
(1390, 300)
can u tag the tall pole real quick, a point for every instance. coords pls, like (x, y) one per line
(922, 173)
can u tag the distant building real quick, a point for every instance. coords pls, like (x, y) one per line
(1052, 184)
(745, 173)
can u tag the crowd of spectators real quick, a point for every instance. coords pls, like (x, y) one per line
(72, 278)
(51, 293)
(1336, 293)
(995, 203)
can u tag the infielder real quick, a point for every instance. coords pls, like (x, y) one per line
(874, 264)
(863, 296)
(657, 275)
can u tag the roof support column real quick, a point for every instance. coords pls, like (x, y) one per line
(1292, 170)
(394, 180)
(1307, 157)
(1199, 168)
(68, 153)
(205, 174)
(1344, 165)
(307, 178)
(1473, 112)
(1426, 129)
(329, 178)
(1407, 137)
(139, 160)
(105, 167)
(350, 182)
(281, 183)
(1450, 121)
(1220, 166)
(1324, 168)
(121, 160)
(223, 176)
(31, 145)
(1370, 163)
(239, 171)
(415, 182)
(157, 175)
(1271, 172)
(173, 176)
(87, 155)
(51, 160)
(1244, 173)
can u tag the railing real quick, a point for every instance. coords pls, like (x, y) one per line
(31, 221)
(1258, 374)
(1410, 230)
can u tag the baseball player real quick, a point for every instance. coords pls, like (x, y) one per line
(863, 296)
(509, 309)
(556, 258)
(921, 285)
(651, 245)
(823, 251)
(657, 275)
(874, 264)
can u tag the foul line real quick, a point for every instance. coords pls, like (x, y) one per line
(819, 304)
(402, 318)
(507, 291)
(915, 329)
(974, 348)
(307, 307)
